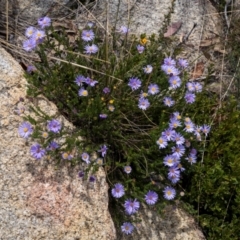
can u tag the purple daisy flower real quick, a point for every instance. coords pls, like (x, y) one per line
(20, 110)
(191, 158)
(131, 206)
(174, 123)
(148, 69)
(162, 142)
(91, 82)
(37, 151)
(143, 103)
(81, 174)
(168, 133)
(118, 190)
(189, 127)
(52, 146)
(123, 30)
(91, 24)
(169, 61)
(175, 82)
(31, 68)
(167, 101)
(106, 90)
(169, 160)
(178, 151)
(44, 22)
(173, 172)
(190, 87)
(183, 63)
(180, 167)
(92, 179)
(174, 179)
(140, 48)
(127, 169)
(169, 193)
(25, 129)
(38, 35)
(206, 129)
(151, 197)
(79, 80)
(85, 157)
(198, 87)
(30, 31)
(176, 115)
(82, 92)
(103, 115)
(127, 228)
(88, 35)
(103, 150)
(170, 70)
(29, 44)
(178, 138)
(134, 83)
(193, 151)
(91, 49)
(153, 89)
(187, 120)
(54, 126)
(197, 130)
(190, 97)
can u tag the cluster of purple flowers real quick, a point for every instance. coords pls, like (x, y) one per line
(173, 69)
(132, 206)
(83, 82)
(34, 35)
(86, 157)
(143, 102)
(36, 151)
(88, 36)
(178, 150)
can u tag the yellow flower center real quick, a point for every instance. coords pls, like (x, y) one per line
(25, 129)
(85, 93)
(45, 135)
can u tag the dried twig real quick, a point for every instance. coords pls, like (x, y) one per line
(228, 2)
(7, 20)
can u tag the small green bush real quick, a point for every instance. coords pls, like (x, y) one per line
(214, 182)
(128, 135)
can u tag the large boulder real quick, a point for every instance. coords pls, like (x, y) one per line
(38, 200)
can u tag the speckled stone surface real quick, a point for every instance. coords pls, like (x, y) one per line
(38, 201)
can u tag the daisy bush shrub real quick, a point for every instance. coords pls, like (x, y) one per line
(135, 110)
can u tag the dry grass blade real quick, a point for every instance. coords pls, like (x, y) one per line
(84, 67)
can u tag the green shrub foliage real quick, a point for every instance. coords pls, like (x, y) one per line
(114, 130)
